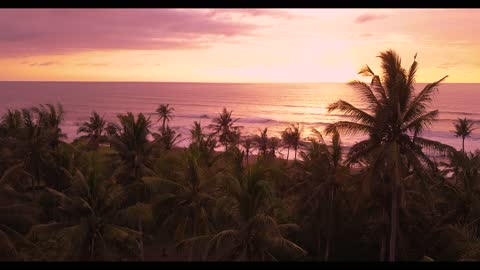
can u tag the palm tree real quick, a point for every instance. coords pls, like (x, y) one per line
(273, 144)
(196, 133)
(165, 113)
(287, 140)
(86, 227)
(33, 151)
(324, 174)
(257, 236)
(133, 146)
(465, 171)
(11, 122)
(247, 144)
(261, 142)
(463, 128)
(94, 129)
(187, 203)
(112, 129)
(17, 215)
(167, 138)
(51, 117)
(291, 137)
(393, 113)
(204, 144)
(223, 127)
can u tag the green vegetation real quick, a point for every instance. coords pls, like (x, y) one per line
(115, 194)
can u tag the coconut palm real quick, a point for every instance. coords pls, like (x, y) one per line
(167, 138)
(187, 204)
(17, 215)
(11, 122)
(324, 179)
(287, 140)
(85, 228)
(196, 133)
(394, 119)
(204, 144)
(165, 114)
(273, 145)
(261, 142)
(33, 151)
(112, 129)
(247, 144)
(223, 127)
(93, 129)
(257, 236)
(292, 136)
(465, 171)
(463, 128)
(51, 117)
(133, 146)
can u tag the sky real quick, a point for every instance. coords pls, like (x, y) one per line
(234, 45)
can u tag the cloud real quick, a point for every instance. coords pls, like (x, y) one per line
(41, 64)
(366, 17)
(448, 65)
(92, 64)
(42, 31)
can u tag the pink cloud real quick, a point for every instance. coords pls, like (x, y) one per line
(42, 31)
(366, 17)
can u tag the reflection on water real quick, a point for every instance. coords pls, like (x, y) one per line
(257, 105)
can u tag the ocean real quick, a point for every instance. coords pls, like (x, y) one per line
(257, 105)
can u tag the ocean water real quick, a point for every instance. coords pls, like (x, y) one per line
(271, 105)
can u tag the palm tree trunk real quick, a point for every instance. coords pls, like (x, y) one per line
(394, 209)
(92, 249)
(463, 144)
(288, 152)
(163, 124)
(295, 153)
(319, 243)
(383, 239)
(329, 223)
(142, 257)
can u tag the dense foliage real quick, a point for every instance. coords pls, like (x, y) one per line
(122, 191)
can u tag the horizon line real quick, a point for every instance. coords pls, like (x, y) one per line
(260, 82)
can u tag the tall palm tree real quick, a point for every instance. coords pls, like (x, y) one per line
(33, 151)
(133, 146)
(287, 140)
(165, 113)
(223, 127)
(318, 202)
(247, 144)
(292, 136)
(394, 112)
(261, 142)
(273, 144)
(93, 129)
(51, 117)
(196, 133)
(203, 143)
(463, 128)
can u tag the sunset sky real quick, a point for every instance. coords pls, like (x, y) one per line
(225, 45)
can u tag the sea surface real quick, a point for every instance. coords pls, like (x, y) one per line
(271, 105)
